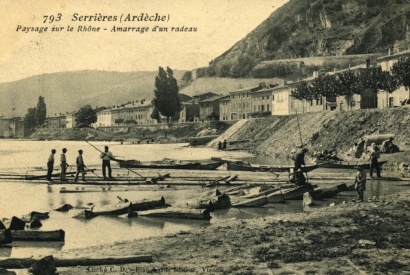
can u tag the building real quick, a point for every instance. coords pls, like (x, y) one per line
(394, 99)
(70, 120)
(189, 112)
(209, 108)
(56, 121)
(261, 101)
(225, 108)
(241, 102)
(131, 113)
(11, 127)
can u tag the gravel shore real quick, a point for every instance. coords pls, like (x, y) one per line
(347, 238)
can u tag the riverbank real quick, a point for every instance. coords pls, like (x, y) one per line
(348, 238)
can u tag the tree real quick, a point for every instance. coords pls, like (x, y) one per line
(166, 99)
(85, 116)
(41, 111)
(347, 84)
(30, 121)
(401, 71)
(155, 115)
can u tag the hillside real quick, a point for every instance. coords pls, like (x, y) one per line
(67, 91)
(321, 28)
(222, 85)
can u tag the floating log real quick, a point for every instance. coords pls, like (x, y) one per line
(178, 213)
(253, 202)
(5, 236)
(38, 236)
(17, 263)
(112, 210)
(148, 204)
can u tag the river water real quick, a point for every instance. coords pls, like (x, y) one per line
(20, 198)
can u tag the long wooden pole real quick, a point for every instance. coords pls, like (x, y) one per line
(300, 132)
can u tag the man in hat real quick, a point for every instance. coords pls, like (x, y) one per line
(80, 166)
(64, 165)
(106, 157)
(300, 158)
(50, 164)
(360, 182)
(374, 161)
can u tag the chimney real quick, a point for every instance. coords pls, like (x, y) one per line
(367, 63)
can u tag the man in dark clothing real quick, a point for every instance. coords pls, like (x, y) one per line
(50, 164)
(64, 165)
(224, 145)
(300, 158)
(374, 161)
(80, 166)
(220, 145)
(106, 164)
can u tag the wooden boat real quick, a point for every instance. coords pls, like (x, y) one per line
(276, 197)
(330, 192)
(177, 213)
(244, 166)
(345, 164)
(165, 164)
(38, 236)
(297, 193)
(252, 202)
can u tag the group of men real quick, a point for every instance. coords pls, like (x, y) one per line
(106, 157)
(222, 145)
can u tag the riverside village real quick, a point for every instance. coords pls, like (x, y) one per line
(291, 161)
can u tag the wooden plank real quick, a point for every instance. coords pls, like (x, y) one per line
(17, 263)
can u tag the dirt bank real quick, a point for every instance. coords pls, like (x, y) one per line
(332, 131)
(349, 238)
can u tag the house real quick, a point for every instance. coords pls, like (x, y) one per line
(209, 108)
(394, 99)
(261, 101)
(70, 120)
(11, 127)
(225, 108)
(189, 112)
(56, 121)
(241, 102)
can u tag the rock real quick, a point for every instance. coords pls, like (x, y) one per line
(64, 207)
(332, 204)
(17, 224)
(307, 199)
(45, 266)
(4, 271)
(35, 223)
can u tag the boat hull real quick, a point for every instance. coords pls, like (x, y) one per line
(185, 166)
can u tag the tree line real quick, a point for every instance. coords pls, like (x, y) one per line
(350, 82)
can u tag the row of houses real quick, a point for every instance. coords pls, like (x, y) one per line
(261, 100)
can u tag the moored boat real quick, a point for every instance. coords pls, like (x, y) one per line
(170, 164)
(177, 213)
(345, 164)
(252, 202)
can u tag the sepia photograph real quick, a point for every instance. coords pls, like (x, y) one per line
(205, 137)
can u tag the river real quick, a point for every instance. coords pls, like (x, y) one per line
(20, 198)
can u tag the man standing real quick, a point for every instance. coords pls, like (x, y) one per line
(360, 182)
(374, 161)
(50, 165)
(300, 158)
(80, 166)
(106, 157)
(64, 165)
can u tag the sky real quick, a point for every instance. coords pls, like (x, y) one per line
(220, 24)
